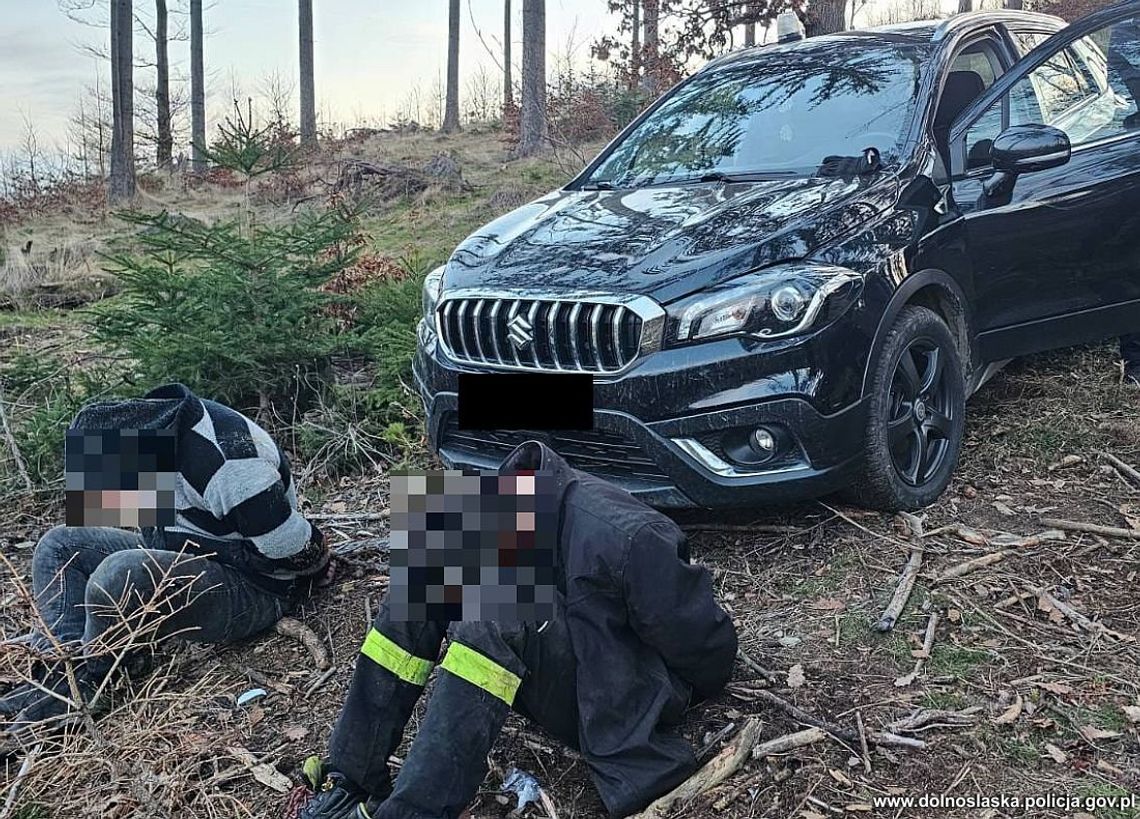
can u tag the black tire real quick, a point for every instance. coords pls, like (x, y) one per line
(916, 415)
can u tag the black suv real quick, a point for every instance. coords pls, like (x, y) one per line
(788, 274)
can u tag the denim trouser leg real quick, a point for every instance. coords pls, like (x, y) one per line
(91, 585)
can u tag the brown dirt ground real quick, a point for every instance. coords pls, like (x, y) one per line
(807, 597)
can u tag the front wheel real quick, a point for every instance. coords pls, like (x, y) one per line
(916, 415)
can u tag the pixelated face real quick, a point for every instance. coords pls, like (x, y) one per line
(119, 477)
(472, 545)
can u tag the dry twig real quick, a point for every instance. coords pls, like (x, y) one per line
(906, 579)
(1124, 468)
(921, 656)
(722, 766)
(16, 457)
(291, 627)
(1092, 528)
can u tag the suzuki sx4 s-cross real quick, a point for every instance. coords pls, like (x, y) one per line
(788, 274)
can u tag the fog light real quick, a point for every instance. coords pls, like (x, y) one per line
(762, 441)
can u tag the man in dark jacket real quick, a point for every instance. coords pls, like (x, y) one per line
(226, 553)
(636, 638)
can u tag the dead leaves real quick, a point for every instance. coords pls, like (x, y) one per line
(796, 676)
(266, 774)
(1010, 715)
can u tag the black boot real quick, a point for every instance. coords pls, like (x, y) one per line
(338, 798)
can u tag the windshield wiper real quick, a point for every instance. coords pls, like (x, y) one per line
(598, 185)
(721, 176)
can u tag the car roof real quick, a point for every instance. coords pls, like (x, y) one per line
(915, 31)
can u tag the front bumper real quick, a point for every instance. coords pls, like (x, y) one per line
(656, 426)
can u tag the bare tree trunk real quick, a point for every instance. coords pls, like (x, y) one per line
(121, 187)
(1014, 4)
(508, 90)
(308, 92)
(635, 45)
(965, 5)
(197, 89)
(532, 118)
(826, 17)
(451, 106)
(749, 27)
(162, 87)
(652, 48)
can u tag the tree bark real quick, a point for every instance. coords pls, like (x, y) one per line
(826, 17)
(508, 90)
(1014, 4)
(451, 104)
(121, 187)
(532, 118)
(635, 45)
(162, 87)
(652, 48)
(197, 89)
(965, 5)
(308, 91)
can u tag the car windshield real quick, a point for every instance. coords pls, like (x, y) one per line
(781, 114)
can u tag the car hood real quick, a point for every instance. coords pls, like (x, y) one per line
(664, 242)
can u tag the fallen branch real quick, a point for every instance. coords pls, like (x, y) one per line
(25, 769)
(922, 655)
(788, 742)
(767, 674)
(290, 627)
(718, 769)
(321, 680)
(381, 515)
(906, 579)
(842, 734)
(1081, 621)
(926, 719)
(864, 753)
(19, 460)
(1092, 528)
(970, 565)
(1124, 468)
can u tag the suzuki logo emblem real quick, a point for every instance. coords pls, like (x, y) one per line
(520, 331)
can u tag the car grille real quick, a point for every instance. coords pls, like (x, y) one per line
(607, 454)
(541, 334)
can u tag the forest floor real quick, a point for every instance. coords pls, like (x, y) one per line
(1050, 701)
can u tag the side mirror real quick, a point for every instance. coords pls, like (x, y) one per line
(1026, 148)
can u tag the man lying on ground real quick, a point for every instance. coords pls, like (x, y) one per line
(564, 599)
(222, 554)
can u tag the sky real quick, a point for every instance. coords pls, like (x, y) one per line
(369, 54)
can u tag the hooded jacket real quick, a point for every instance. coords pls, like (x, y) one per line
(234, 496)
(648, 636)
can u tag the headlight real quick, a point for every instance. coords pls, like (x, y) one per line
(430, 297)
(771, 303)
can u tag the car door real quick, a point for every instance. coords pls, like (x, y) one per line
(1056, 252)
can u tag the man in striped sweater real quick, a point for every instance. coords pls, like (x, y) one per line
(222, 552)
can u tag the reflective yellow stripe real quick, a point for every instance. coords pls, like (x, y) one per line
(481, 671)
(386, 654)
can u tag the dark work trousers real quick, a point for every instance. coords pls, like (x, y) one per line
(447, 761)
(91, 582)
(1130, 351)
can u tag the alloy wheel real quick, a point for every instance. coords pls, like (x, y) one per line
(921, 420)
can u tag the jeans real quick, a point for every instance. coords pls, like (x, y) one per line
(94, 586)
(1130, 350)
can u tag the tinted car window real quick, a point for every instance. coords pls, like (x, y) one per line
(1028, 40)
(784, 112)
(1089, 90)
